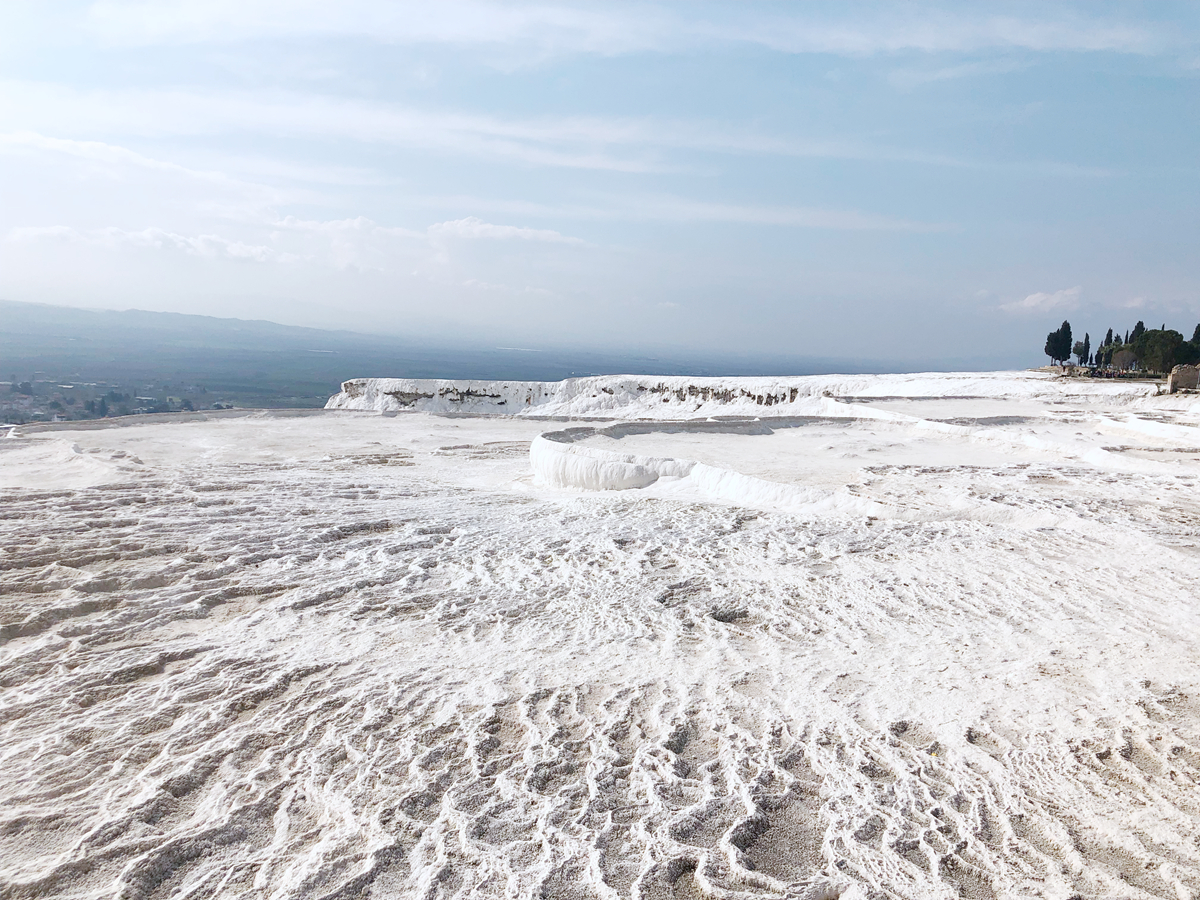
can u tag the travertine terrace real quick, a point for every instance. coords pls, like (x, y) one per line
(884, 636)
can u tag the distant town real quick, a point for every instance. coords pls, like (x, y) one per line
(47, 400)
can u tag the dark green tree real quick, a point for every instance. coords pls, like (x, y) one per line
(1058, 344)
(1138, 330)
(1161, 349)
(1108, 337)
(1051, 348)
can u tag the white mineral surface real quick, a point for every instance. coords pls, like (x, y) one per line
(924, 636)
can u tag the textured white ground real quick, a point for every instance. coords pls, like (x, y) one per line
(911, 641)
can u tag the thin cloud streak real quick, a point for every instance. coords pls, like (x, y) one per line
(614, 29)
(678, 209)
(474, 228)
(683, 210)
(900, 31)
(908, 79)
(585, 142)
(113, 154)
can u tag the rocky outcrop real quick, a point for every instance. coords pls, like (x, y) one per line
(595, 396)
(686, 397)
(1182, 378)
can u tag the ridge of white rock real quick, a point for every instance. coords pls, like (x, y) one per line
(642, 396)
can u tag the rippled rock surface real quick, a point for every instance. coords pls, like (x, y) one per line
(353, 655)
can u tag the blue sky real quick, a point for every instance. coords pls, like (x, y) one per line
(876, 181)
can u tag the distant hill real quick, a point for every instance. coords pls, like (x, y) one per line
(255, 361)
(259, 363)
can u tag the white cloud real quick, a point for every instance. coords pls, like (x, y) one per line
(357, 243)
(1041, 302)
(472, 227)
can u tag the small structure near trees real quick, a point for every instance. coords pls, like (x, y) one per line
(1182, 378)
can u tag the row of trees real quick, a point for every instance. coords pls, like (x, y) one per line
(1157, 350)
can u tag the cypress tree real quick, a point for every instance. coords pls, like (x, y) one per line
(1058, 344)
(1051, 348)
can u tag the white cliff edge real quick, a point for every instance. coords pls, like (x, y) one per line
(683, 397)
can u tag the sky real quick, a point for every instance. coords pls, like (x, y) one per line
(910, 182)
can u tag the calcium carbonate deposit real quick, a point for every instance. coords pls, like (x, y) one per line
(921, 636)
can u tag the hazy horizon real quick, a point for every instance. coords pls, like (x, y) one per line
(46, 335)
